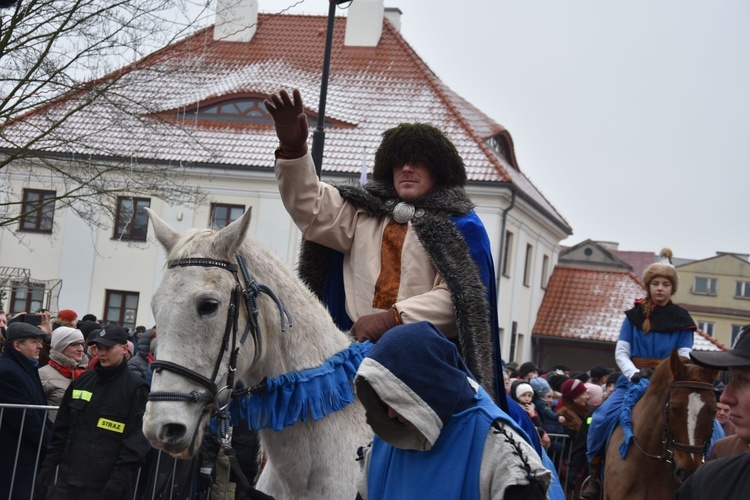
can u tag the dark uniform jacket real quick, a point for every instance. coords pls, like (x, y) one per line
(19, 384)
(98, 439)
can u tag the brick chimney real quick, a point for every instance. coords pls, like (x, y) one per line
(364, 23)
(236, 20)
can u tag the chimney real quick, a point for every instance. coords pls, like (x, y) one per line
(393, 14)
(364, 23)
(236, 20)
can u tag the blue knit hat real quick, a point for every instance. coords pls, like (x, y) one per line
(541, 386)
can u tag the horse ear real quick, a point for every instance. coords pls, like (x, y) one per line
(676, 364)
(229, 239)
(163, 231)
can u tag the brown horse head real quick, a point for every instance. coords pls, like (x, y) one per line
(689, 408)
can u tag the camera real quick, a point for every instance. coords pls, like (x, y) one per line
(32, 319)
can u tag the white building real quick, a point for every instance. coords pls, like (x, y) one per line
(210, 124)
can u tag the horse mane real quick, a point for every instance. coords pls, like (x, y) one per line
(688, 371)
(189, 243)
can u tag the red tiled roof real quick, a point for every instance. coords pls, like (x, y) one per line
(369, 90)
(588, 304)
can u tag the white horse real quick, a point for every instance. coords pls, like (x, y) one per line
(311, 459)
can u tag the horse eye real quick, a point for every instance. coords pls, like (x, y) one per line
(206, 307)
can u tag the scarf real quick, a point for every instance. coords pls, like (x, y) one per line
(668, 318)
(66, 371)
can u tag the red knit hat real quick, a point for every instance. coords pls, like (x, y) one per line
(572, 388)
(68, 315)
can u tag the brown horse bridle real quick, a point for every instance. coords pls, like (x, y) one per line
(668, 443)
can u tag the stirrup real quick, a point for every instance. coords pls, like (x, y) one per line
(591, 495)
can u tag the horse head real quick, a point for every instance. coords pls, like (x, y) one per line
(689, 411)
(191, 306)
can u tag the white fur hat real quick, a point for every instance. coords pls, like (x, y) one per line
(63, 336)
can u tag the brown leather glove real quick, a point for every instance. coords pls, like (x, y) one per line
(290, 121)
(373, 326)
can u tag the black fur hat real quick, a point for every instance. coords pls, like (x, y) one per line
(422, 143)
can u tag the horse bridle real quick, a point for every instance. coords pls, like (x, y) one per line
(668, 443)
(250, 292)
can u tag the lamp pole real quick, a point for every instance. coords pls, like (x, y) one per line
(319, 134)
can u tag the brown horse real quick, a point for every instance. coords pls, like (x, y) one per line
(672, 427)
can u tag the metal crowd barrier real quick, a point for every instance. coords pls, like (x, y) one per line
(560, 452)
(161, 477)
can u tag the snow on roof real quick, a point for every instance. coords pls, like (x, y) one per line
(369, 91)
(588, 304)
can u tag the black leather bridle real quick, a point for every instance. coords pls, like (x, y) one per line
(668, 443)
(213, 398)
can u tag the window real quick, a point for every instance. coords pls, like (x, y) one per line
(545, 271)
(705, 286)
(707, 327)
(736, 329)
(742, 290)
(121, 308)
(507, 253)
(223, 215)
(527, 265)
(132, 220)
(513, 342)
(37, 210)
(25, 298)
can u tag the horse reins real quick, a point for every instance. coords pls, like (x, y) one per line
(250, 292)
(667, 442)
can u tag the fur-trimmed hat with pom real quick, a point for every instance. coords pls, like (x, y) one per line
(419, 143)
(662, 268)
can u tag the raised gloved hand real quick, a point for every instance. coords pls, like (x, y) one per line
(373, 326)
(643, 373)
(290, 121)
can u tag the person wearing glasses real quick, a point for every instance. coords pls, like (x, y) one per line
(65, 364)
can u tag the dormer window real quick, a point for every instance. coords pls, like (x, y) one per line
(240, 110)
(245, 110)
(499, 145)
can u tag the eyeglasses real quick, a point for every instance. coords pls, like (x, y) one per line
(77, 345)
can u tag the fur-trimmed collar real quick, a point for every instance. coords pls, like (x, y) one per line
(449, 254)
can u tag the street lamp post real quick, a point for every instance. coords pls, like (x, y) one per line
(319, 133)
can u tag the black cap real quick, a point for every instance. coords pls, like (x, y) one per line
(527, 368)
(140, 329)
(599, 371)
(739, 356)
(19, 330)
(109, 335)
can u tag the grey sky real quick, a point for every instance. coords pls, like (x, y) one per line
(631, 117)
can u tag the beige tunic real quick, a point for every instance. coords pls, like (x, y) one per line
(325, 218)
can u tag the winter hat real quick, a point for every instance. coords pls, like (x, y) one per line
(87, 327)
(68, 315)
(599, 371)
(19, 330)
(541, 386)
(420, 143)
(572, 388)
(63, 336)
(595, 394)
(662, 268)
(522, 389)
(527, 368)
(556, 381)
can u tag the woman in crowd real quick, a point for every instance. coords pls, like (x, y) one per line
(65, 364)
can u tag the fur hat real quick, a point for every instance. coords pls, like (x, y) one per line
(63, 336)
(572, 388)
(68, 315)
(662, 268)
(422, 143)
(522, 389)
